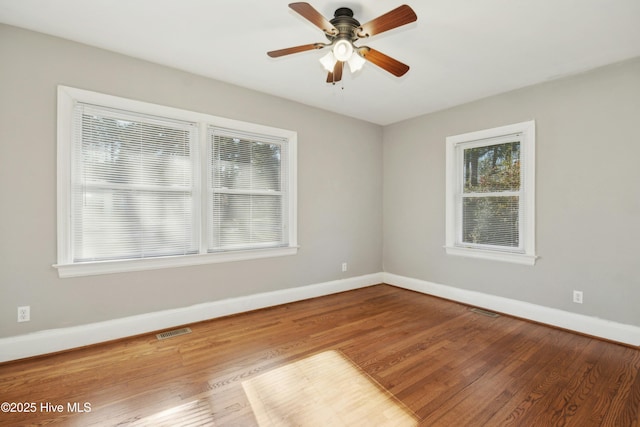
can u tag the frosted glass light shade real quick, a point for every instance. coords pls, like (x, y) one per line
(356, 62)
(342, 50)
(328, 61)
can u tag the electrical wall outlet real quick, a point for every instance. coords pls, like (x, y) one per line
(344, 266)
(577, 297)
(24, 313)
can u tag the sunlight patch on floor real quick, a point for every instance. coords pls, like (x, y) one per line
(193, 414)
(326, 389)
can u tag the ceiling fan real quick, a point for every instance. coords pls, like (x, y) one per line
(342, 31)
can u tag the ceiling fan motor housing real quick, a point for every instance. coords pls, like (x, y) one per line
(346, 25)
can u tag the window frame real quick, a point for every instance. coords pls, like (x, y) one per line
(68, 97)
(455, 145)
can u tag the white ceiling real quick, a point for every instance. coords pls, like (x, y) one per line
(458, 50)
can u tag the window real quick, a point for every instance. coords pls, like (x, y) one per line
(247, 191)
(490, 194)
(143, 186)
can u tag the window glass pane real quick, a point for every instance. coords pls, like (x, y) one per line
(121, 224)
(138, 153)
(246, 164)
(492, 168)
(243, 220)
(491, 221)
(132, 186)
(248, 191)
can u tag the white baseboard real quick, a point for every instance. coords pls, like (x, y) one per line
(54, 340)
(606, 329)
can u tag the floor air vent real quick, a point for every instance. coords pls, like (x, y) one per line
(484, 312)
(174, 333)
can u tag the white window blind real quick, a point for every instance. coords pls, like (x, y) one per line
(248, 191)
(132, 185)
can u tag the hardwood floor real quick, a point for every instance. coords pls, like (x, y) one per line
(447, 365)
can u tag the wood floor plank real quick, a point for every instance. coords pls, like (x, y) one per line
(445, 364)
(625, 409)
(495, 383)
(551, 365)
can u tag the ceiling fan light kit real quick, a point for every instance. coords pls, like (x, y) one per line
(342, 31)
(353, 59)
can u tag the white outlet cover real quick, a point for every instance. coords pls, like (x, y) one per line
(577, 297)
(24, 313)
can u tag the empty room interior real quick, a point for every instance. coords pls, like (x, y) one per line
(319, 214)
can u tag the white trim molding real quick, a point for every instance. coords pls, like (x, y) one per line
(593, 326)
(54, 340)
(119, 266)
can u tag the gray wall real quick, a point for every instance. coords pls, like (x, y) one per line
(587, 194)
(339, 188)
(588, 200)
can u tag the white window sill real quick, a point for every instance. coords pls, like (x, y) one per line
(121, 266)
(524, 259)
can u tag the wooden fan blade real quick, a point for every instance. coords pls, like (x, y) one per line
(398, 17)
(330, 77)
(310, 14)
(383, 61)
(336, 75)
(295, 49)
